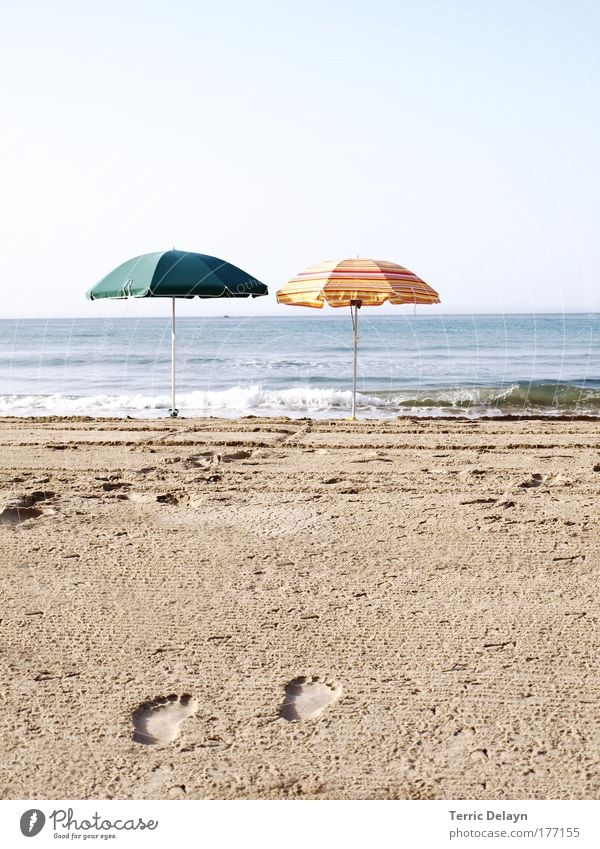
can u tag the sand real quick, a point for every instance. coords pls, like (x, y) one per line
(267, 608)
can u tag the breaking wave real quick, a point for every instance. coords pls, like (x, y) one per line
(538, 398)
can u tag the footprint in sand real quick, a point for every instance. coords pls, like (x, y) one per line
(306, 698)
(236, 455)
(210, 458)
(23, 508)
(545, 480)
(202, 461)
(158, 721)
(376, 457)
(463, 743)
(110, 486)
(533, 481)
(16, 515)
(138, 497)
(169, 498)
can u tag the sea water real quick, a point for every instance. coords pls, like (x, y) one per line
(418, 365)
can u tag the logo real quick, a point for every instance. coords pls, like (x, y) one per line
(32, 822)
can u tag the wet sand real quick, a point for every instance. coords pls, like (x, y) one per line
(266, 608)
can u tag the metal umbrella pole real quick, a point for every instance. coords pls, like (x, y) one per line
(173, 411)
(354, 307)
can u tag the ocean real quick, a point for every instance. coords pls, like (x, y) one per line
(417, 365)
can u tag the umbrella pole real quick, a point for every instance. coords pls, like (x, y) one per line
(355, 305)
(173, 411)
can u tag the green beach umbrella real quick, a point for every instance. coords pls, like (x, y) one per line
(176, 274)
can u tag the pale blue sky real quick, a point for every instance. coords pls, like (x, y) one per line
(459, 138)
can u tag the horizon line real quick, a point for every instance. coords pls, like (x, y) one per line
(315, 313)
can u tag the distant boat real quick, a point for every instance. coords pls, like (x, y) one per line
(226, 316)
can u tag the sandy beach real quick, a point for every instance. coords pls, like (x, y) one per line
(324, 609)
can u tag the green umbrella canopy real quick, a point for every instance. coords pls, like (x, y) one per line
(177, 274)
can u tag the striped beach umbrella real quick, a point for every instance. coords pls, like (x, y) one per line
(356, 283)
(176, 274)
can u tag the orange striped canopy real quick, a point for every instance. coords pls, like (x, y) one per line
(368, 281)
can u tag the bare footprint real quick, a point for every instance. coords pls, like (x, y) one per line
(33, 498)
(545, 480)
(306, 698)
(158, 721)
(23, 508)
(203, 460)
(16, 515)
(110, 486)
(168, 498)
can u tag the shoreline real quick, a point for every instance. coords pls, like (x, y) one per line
(347, 421)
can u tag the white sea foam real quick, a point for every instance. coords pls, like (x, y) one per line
(237, 400)
(317, 402)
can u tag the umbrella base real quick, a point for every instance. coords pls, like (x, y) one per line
(173, 413)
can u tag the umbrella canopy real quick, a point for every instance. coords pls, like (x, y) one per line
(176, 274)
(356, 283)
(370, 281)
